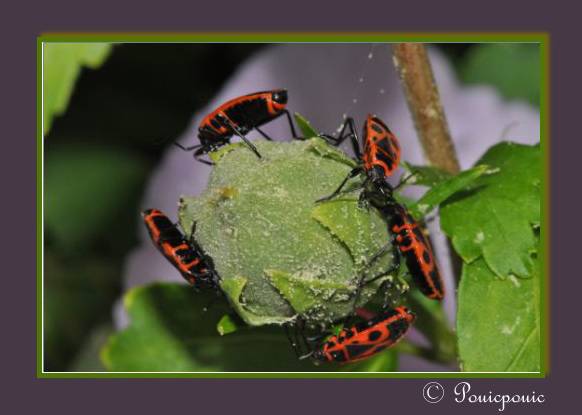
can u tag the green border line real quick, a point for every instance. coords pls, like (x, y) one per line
(545, 223)
(542, 38)
(468, 37)
(39, 209)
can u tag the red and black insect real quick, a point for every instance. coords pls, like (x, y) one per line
(238, 117)
(186, 255)
(380, 159)
(408, 241)
(366, 338)
(417, 251)
(381, 155)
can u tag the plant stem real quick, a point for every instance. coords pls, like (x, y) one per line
(433, 324)
(413, 67)
(415, 72)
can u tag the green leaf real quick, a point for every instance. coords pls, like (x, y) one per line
(498, 321)
(233, 288)
(494, 218)
(78, 293)
(105, 181)
(355, 227)
(226, 325)
(170, 331)
(62, 65)
(432, 322)
(221, 151)
(87, 358)
(322, 148)
(513, 68)
(312, 296)
(305, 126)
(425, 175)
(441, 191)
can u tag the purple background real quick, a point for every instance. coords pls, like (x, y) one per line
(23, 393)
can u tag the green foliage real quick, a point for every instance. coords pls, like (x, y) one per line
(425, 175)
(354, 226)
(432, 322)
(494, 219)
(498, 321)
(62, 65)
(277, 251)
(87, 359)
(170, 331)
(83, 188)
(305, 126)
(226, 325)
(77, 294)
(514, 69)
(443, 189)
(280, 254)
(492, 228)
(306, 294)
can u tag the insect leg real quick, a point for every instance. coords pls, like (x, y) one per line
(291, 340)
(189, 148)
(264, 134)
(309, 350)
(363, 202)
(291, 125)
(301, 328)
(403, 181)
(350, 126)
(337, 191)
(394, 268)
(199, 153)
(192, 232)
(201, 149)
(236, 131)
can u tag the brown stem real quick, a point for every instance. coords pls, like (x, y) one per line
(413, 67)
(415, 72)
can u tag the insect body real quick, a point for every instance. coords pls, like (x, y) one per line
(381, 151)
(381, 148)
(417, 251)
(186, 255)
(381, 157)
(237, 117)
(410, 241)
(366, 338)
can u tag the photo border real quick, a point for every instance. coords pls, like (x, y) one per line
(543, 38)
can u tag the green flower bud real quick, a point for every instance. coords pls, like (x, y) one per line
(278, 252)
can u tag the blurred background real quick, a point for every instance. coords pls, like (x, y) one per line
(126, 105)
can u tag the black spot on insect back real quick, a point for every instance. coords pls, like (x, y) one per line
(436, 279)
(355, 350)
(397, 329)
(419, 235)
(374, 335)
(182, 253)
(377, 128)
(163, 223)
(338, 356)
(426, 257)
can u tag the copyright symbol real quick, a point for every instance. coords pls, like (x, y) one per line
(433, 392)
